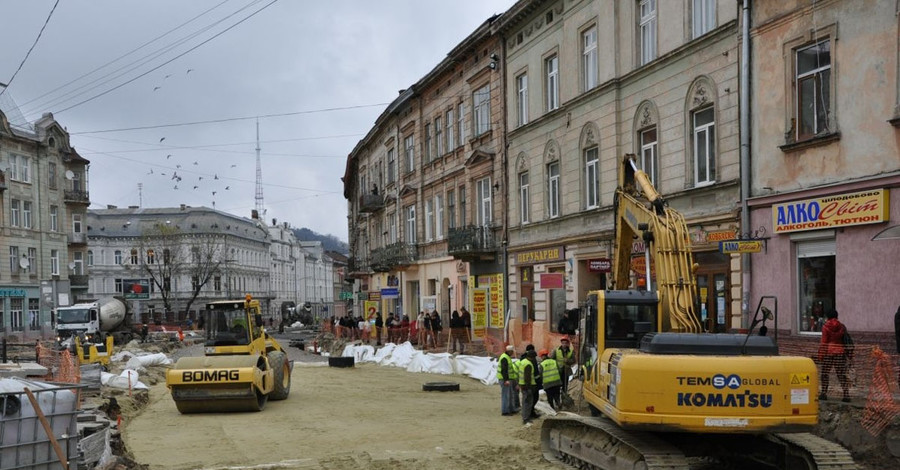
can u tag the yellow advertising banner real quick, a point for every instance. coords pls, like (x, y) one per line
(372, 310)
(479, 302)
(864, 207)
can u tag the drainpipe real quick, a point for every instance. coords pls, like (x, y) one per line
(505, 188)
(745, 158)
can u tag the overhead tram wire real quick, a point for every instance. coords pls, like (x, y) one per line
(125, 54)
(128, 68)
(27, 54)
(168, 61)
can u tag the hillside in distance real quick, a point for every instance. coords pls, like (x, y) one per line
(329, 242)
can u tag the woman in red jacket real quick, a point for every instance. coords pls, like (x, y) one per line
(832, 355)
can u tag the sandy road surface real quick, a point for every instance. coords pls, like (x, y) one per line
(367, 417)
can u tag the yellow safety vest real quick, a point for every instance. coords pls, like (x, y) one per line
(524, 365)
(511, 370)
(550, 373)
(561, 357)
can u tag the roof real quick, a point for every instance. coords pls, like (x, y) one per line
(130, 222)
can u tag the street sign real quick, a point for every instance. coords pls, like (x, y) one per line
(346, 295)
(741, 246)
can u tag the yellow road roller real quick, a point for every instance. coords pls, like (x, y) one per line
(243, 367)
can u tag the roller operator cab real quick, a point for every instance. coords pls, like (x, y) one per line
(689, 382)
(243, 367)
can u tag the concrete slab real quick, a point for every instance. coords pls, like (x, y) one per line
(22, 370)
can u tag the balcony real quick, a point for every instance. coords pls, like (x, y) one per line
(78, 280)
(472, 243)
(393, 256)
(371, 202)
(77, 238)
(357, 268)
(76, 196)
(2, 181)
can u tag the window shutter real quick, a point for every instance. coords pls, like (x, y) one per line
(810, 249)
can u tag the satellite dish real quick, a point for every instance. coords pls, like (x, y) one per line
(70, 174)
(72, 265)
(23, 263)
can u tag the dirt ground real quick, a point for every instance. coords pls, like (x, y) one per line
(372, 417)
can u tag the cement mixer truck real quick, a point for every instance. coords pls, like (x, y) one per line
(95, 320)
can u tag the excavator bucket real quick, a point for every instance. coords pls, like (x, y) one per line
(212, 384)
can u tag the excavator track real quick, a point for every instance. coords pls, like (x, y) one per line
(598, 443)
(815, 452)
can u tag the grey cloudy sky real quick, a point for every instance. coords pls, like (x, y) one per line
(292, 57)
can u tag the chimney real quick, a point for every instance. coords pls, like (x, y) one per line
(274, 222)
(110, 206)
(183, 206)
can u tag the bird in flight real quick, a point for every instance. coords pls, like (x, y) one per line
(195, 163)
(233, 166)
(216, 176)
(167, 76)
(151, 171)
(177, 166)
(200, 179)
(195, 187)
(214, 193)
(176, 186)
(227, 188)
(189, 71)
(156, 88)
(163, 174)
(162, 139)
(168, 156)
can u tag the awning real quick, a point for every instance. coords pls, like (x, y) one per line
(890, 233)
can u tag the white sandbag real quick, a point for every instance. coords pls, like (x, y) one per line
(364, 353)
(384, 353)
(438, 363)
(127, 379)
(140, 363)
(401, 356)
(483, 369)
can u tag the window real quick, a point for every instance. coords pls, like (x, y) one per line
(451, 209)
(14, 260)
(392, 228)
(151, 257)
(19, 168)
(16, 306)
(409, 144)
(54, 218)
(427, 142)
(439, 217)
(522, 100)
(592, 178)
(76, 223)
(26, 214)
(648, 30)
(451, 144)
(589, 66)
(391, 166)
(524, 199)
(462, 207)
(90, 258)
(15, 206)
(34, 314)
(217, 283)
(54, 262)
(134, 256)
(410, 224)
(78, 260)
(704, 17)
(553, 190)
(118, 285)
(195, 283)
(816, 283)
(551, 68)
(76, 181)
(429, 220)
(481, 103)
(485, 207)
(117, 257)
(648, 154)
(439, 136)
(460, 125)
(32, 258)
(813, 89)
(704, 146)
(51, 174)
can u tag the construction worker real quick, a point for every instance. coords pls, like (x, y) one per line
(528, 386)
(565, 359)
(507, 375)
(551, 379)
(144, 331)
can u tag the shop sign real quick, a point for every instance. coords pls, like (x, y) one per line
(346, 295)
(12, 292)
(599, 265)
(136, 288)
(741, 246)
(639, 264)
(544, 255)
(374, 295)
(552, 280)
(864, 207)
(720, 236)
(390, 292)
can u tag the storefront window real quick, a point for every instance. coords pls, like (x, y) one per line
(815, 268)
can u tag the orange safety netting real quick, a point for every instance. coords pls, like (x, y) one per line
(62, 366)
(881, 408)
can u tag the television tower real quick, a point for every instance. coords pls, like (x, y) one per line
(260, 210)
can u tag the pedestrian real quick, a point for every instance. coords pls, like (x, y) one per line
(378, 324)
(832, 355)
(429, 333)
(467, 322)
(457, 330)
(404, 329)
(363, 329)
(565, 326)
(436, 327)
(528, 386)
(144, 331)
(565, 359)
(550, 378)
(509, 380)
(420, 330)
(530, 355)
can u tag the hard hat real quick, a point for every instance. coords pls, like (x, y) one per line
(544, 352)
(564, 338)
(510, 347)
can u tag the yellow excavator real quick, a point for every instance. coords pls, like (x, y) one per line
(243, 366)
(662, 392)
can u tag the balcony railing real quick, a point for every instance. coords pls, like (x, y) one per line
(77, 238)
(371, 202)
(393, 256)
(76, 196)
(472, 242)
(78, 280)
(2, 181)
(357, 267)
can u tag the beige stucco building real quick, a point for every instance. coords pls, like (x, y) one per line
(588, 82)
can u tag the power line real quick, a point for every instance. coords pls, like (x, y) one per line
(30, 49)
(168, 61)
(213, 147)
(216, 121)
(125, 54)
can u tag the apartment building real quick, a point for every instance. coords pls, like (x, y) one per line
(587, 83)
(825, 167)
(285, 277)
(44, 196)
(425, 191)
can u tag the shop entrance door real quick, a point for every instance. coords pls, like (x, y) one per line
(714, 302)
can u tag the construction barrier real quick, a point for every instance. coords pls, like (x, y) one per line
(62, 366)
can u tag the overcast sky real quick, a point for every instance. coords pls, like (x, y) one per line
(106, 67)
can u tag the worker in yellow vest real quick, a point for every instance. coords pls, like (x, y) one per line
(552, 382)
(565, 359)
(528, 386)
(508, 376)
